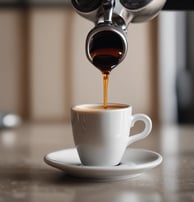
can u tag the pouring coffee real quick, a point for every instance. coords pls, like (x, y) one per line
(106, 47)
(106, 44)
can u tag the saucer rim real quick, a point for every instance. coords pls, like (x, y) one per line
(126, 167)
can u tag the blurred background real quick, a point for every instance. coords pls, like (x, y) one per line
(44, 69)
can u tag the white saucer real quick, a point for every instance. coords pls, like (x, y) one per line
(134, 162)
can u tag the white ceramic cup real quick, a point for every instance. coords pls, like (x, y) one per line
(101, 136)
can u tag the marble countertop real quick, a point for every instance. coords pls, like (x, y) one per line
(24, 176)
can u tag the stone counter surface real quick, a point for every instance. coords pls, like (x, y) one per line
(25, 177)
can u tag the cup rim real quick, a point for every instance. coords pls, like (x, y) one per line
(118, 107)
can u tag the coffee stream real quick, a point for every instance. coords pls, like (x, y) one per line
(105, 92)
(105, 60)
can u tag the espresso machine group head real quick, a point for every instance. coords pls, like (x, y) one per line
(111, 19)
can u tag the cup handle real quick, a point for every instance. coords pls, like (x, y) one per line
(148, 127)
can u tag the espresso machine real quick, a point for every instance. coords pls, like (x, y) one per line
(111, 19)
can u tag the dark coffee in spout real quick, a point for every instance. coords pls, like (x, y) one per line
(106, 50)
